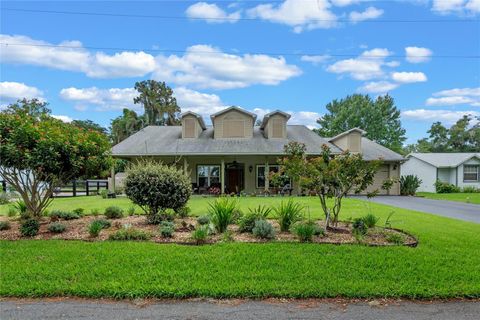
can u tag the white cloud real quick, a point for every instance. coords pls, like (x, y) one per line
(315, 60)
(417, 54)
(369, 13)
(202, 103)
(379, 87)
(71, 56)
(365, 67)
(102, 99)
(459, 7)
(203, 66)
(301, 15)
(211, 13)
(446, 116)
(12, 91)
(409, 77)
(62, 118)
(344, 3)
(306, 118)
(457, 96)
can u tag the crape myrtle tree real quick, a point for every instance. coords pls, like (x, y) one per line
(39, 153)
(329, 176)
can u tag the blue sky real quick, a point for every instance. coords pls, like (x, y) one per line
(261, 55)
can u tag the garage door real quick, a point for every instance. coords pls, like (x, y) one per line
(380, 177)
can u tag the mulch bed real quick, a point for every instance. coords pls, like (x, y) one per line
(78, 230)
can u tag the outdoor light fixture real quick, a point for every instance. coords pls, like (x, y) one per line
(250, 169)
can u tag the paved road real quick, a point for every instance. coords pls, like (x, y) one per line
(451, 209)
(238, 309)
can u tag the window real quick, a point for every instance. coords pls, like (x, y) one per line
(470, 173)
(261, 174)
(208, 175)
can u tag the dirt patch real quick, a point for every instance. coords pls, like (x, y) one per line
(78, 230)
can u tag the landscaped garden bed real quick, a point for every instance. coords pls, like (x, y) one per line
(78, 229)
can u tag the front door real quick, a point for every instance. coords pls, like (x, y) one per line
(234, 178)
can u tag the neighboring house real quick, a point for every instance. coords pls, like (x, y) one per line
(234, 155)
(460, 169)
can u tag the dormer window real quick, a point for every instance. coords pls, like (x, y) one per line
(192, 125)
(233, 123)
(274, 124)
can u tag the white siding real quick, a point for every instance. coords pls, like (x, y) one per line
(426, 172)
(462, 183)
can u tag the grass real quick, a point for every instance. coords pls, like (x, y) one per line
(460, 197)
(444, 265)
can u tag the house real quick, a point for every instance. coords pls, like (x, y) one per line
(460, 169)
(234, 155)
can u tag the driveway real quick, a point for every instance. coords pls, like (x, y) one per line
(238, 309)
(458, 210)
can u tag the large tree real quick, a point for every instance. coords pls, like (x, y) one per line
(380, 118)
(463, 136)
(39, 153)
(329, 176)
(125, 125)
(89, 125)
(157, 99)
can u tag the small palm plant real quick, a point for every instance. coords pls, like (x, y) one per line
(287, 213)
(222, 212)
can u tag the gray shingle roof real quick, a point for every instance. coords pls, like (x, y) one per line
(160, 140)
(445, 160)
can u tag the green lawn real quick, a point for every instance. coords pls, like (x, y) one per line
(444, 265)
(461, 197)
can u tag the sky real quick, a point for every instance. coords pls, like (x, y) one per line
(84, 58)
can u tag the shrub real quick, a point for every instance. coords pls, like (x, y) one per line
(29, 227)
(227, 236)
(79, 211)
(263, 229)
(395, 238)
(370, 220)
(167, 228)
(203, 220)
(12, 212)
(200, 234)
(222, 212)
(129, 233)
(4, 198)
(445, 187)
(57, 227)
(305, 231)
(159, 217)
(287, 213)
(409, 185)
(4, 225)
(358, 227)
(113, 212)
(98, 225)
(95, 212)
(131, 211)
(104, 193)
(156, 187)
(470, 189)
(183, 212)
(94, 228)
(21, 208)
(65, 215)
(247, 222)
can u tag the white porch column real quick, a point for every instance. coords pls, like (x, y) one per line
(267, 171)
(185, 165)
(222, 176)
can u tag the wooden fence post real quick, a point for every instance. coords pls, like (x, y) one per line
(74, 188)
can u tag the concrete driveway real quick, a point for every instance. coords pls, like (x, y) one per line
(239, 310)
(458, 210)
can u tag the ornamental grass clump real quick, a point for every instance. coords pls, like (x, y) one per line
(156, 187)
(57, 227)
(113, 212)
(200, 234)
(167, 229)
(306, 230)
(129, 233)
(287, 213)
(222, 212)
(370, 220)
(4, 225)
(246, 223)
